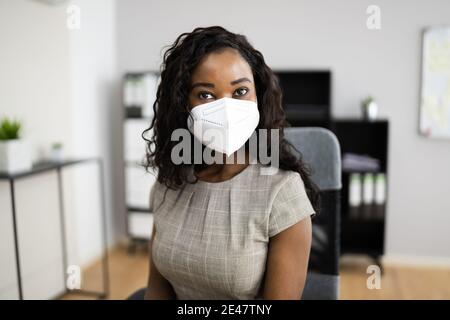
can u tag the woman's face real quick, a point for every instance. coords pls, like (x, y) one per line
(221, 74)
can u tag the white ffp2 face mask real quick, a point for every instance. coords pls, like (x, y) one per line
(224, 124)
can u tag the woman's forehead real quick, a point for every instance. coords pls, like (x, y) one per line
(222, 66)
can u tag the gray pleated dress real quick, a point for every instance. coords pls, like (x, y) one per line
(212, 238)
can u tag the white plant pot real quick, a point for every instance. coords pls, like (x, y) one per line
(57, 155)
(371, 111)
(14, 156)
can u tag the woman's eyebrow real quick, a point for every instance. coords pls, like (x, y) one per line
(202, 84)
(240, 80)
(211, 85)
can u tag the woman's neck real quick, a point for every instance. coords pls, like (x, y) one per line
(218, 172)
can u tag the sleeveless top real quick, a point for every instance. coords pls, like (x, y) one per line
(212, 238)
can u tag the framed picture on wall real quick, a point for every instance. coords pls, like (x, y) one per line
(435, 86)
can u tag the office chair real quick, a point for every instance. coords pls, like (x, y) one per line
(320, 149)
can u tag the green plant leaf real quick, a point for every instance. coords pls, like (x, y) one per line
(9, 129)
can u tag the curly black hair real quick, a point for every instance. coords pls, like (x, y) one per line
(171, 108)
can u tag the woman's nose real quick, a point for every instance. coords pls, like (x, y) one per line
(224, 95)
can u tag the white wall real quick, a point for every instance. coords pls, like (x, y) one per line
(63, 84)
(95, 101)
(333, 34)
(34, 76)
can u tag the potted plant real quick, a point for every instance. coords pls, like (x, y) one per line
(369, 108)
(14, 152)
(57, 152)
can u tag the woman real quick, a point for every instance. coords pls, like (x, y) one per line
(225, 230)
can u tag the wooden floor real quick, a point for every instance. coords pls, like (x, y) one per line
(397, 282)
(129, 272)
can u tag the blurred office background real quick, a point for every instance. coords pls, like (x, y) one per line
(77, 88)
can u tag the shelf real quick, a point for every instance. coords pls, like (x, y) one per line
(139, 209)
(371, 212)
(348, 172)
(360, 121)
(138, 101)
(44, 166)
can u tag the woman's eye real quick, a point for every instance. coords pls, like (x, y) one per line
(241, 92)
(205, 95)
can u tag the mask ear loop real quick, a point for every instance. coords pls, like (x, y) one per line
(190, 120)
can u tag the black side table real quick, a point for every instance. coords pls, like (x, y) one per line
(58, 166)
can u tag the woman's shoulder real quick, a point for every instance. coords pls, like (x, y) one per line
(277, 177)
(282, 184)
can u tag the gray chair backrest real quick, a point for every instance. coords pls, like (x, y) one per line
(320, 149)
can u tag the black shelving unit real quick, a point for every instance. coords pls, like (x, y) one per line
(307, 97)
(363, 227)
